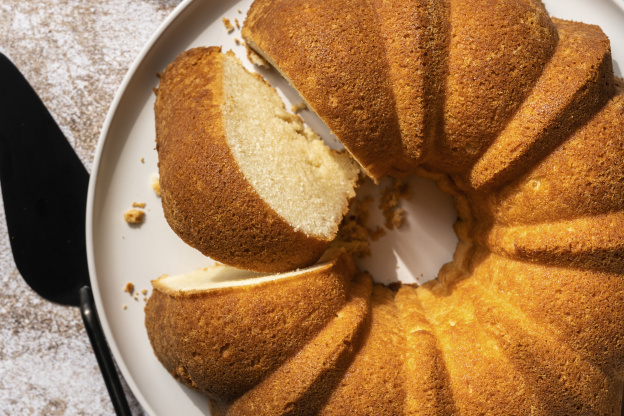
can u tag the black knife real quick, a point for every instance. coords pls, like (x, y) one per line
(44, 189)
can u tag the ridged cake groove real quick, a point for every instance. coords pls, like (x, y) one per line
(583, 177)
(424, 365)
(495, 56)
(378, 365)
(482, 377)
(593, 242)
(567, 94)
(565, 382)
(415, 39)
(299, 385)
(568, 315)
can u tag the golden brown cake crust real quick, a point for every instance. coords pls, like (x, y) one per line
(529, 139)
(206, 199)
(378, 365)
(496, 53)
(301, 385)
(428, 392)
(219, 341)
(416, 36)
(575, 84)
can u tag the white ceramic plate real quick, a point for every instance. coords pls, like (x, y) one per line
(126, 160)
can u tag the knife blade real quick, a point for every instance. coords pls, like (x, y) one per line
(44, 191)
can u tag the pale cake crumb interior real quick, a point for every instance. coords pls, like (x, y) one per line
(221, 276)
(290, 167)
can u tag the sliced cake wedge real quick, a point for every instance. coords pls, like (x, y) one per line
(222, 330)
(242, 180)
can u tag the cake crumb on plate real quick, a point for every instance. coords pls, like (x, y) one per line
(129, 287)
(228, 25)
(155, 184)
(134, 216)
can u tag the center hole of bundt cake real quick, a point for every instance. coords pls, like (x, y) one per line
(414, 251)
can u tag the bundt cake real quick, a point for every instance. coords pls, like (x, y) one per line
(520, 118)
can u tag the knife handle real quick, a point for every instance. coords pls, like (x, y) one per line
(102, 352)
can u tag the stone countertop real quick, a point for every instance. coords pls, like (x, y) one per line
(75, 54)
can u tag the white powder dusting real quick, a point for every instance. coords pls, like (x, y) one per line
(75, 53)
